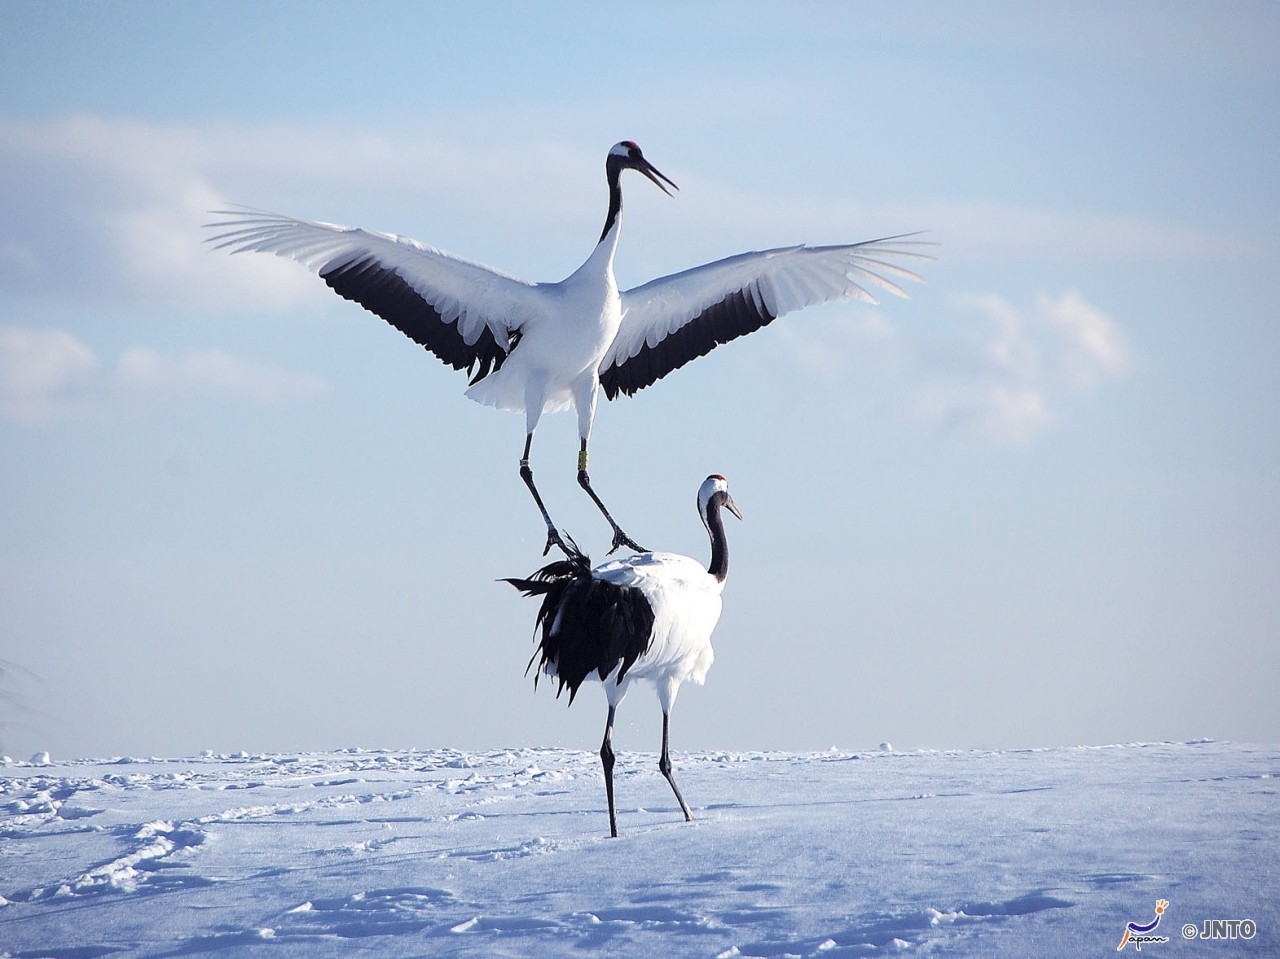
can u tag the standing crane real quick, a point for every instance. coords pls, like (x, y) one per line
(649, 616)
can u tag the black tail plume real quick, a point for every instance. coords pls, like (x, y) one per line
(587, 625)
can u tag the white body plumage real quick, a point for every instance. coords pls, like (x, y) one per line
(686, 604)
(561, 346)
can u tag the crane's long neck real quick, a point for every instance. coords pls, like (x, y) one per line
(613, 171)
(719, 567)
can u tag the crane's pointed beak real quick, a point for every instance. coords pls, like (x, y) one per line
(730, 505)
(652, 172)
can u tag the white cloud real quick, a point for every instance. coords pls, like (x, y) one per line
(718, 218)
(1008, 347)
(988, 368)
(43, 374)
(985, 230)
(110, 212)
(142, 371)
(827, 344)
(996, 412)
(1024, 364)
(1090, 346)
(112, 208)
(48, 375)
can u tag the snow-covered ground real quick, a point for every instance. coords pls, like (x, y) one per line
(1011, 853)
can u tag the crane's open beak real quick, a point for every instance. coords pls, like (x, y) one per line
(652, 172)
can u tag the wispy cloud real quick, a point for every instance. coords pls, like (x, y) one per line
(109, 213)
(997, 412)
(142, 371)
(110, 208)
(1090, 346)
(44, 374)
(50, 375)
(1024, 363)
(979, 229)
(713, 215)
(1001, 372)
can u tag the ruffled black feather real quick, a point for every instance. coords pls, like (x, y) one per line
(587, 625)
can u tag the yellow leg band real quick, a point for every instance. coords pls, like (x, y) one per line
(582, 461)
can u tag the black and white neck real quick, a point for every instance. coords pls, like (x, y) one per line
(713, 497)
(626, 156)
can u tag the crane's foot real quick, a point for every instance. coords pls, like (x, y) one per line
(621, 539)
(554, 539)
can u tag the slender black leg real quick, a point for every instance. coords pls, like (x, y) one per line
(619, 537)
(664, 764)
(606, 760)
(526, 474)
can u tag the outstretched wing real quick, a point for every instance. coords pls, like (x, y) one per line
(466, 314)
(674, 319)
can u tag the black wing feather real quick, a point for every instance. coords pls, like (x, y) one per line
(382, 291)
(736, 315)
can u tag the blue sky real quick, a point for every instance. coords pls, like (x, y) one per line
(1035, 504)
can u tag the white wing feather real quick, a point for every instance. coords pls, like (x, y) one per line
(469, 295)
(719, 301)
